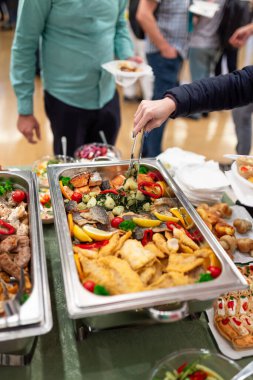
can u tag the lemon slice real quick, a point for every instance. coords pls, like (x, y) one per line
(142, 222)
(165, 218)
(80, 234)
(97, 234)
(189, 223)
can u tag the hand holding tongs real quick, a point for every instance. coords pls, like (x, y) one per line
(132, 160)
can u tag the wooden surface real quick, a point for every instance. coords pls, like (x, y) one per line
(211, 137)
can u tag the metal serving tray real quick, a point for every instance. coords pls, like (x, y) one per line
(35, 316)
(81, 303)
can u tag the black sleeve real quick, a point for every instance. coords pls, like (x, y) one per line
(214, 94)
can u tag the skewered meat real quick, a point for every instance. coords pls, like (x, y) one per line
(9, 266)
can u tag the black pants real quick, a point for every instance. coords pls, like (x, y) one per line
(81, 126)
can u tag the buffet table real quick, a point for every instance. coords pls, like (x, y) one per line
(116, 354)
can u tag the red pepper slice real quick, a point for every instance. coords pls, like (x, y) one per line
(147, 237)
(108, 191)
(97, 244)
(238, 323)
(155, 175)
(172, 225)
(182, 367)
(89, 285)
(146, 188)
(6, 228)
(225, 321)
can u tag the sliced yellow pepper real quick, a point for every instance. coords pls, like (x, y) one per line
(78, 267)
(165, 218)
(70, 223)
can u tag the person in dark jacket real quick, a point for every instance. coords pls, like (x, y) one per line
(209, 94)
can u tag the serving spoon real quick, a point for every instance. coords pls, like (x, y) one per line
(235, 156)
(64, 147)
(244, 373)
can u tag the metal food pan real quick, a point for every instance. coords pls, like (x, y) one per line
(34, 317)
(82, 303)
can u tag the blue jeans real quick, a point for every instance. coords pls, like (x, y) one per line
(166, 76)
(243, 128)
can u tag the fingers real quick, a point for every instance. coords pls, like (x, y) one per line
(37, 131)
(141, 120)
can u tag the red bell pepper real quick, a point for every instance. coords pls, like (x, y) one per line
(151, 189)
(108, 191)
(155, 175)
(147, 237)
(172, 225)
(6, 228)
(97, 244)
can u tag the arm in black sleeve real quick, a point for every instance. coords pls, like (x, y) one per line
(214, 94)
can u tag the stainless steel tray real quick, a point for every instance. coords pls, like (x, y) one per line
(35, 314)
(81, 303)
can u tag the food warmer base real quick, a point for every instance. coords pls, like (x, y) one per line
(18, 353)
(85, 326)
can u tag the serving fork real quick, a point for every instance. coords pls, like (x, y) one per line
(12, 305)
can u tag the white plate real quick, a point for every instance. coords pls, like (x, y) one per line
(203, 8)
(241, 213)
(243, 193)
(243, 181)
(124, 78)
(223, 344)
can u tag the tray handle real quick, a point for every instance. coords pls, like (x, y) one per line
(162, 315)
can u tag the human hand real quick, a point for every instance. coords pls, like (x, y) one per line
(152, 113)
(240, 36)
(168, 51)
(136, 59)
(28, 125)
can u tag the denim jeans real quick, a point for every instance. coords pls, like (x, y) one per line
(202, 62)
(243, 128)
(166, 76)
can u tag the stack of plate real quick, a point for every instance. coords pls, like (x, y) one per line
(202, 183)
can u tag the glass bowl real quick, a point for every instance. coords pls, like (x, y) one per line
(95, 151)
(223, 366)
(40, 166)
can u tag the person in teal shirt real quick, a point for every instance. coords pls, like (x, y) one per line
(76, 37)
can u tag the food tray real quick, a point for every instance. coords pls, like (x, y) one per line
(81, 303)
(223, 344)
(35, 314)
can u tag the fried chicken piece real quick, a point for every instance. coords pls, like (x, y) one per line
(80, 180)
(222, 228)
(161, 243)
(184, 239)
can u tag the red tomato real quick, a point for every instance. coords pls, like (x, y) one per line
(215, 271)
(198, 375)
(45, 199)
(76, 197)
(18, 196)
(116, 221)
(89, 285)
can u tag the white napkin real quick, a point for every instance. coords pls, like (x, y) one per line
(175, 158)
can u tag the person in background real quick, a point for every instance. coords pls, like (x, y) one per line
(209, 94)
(143, 88)
(80, 97)
(242, 116)
(165, 24)
(205, 46)
(12, 6)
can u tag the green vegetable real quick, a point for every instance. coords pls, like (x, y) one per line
(66, 182)
(205, 277)
(5, 186)
(127, 225)
(143, 170)
(100, 290)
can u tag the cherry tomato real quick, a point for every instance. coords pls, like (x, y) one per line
(18, 196)
(215, 271)
(116, 221)
(45, 199)
(76, 197)
(89, 285)
(198, 375)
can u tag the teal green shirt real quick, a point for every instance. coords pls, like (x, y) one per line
(77, 36)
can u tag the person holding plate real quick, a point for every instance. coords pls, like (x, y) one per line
(77, 37)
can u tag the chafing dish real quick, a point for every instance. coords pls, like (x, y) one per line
(81, 303)
(34, 317)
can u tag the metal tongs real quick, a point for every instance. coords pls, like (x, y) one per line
(132, 159)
